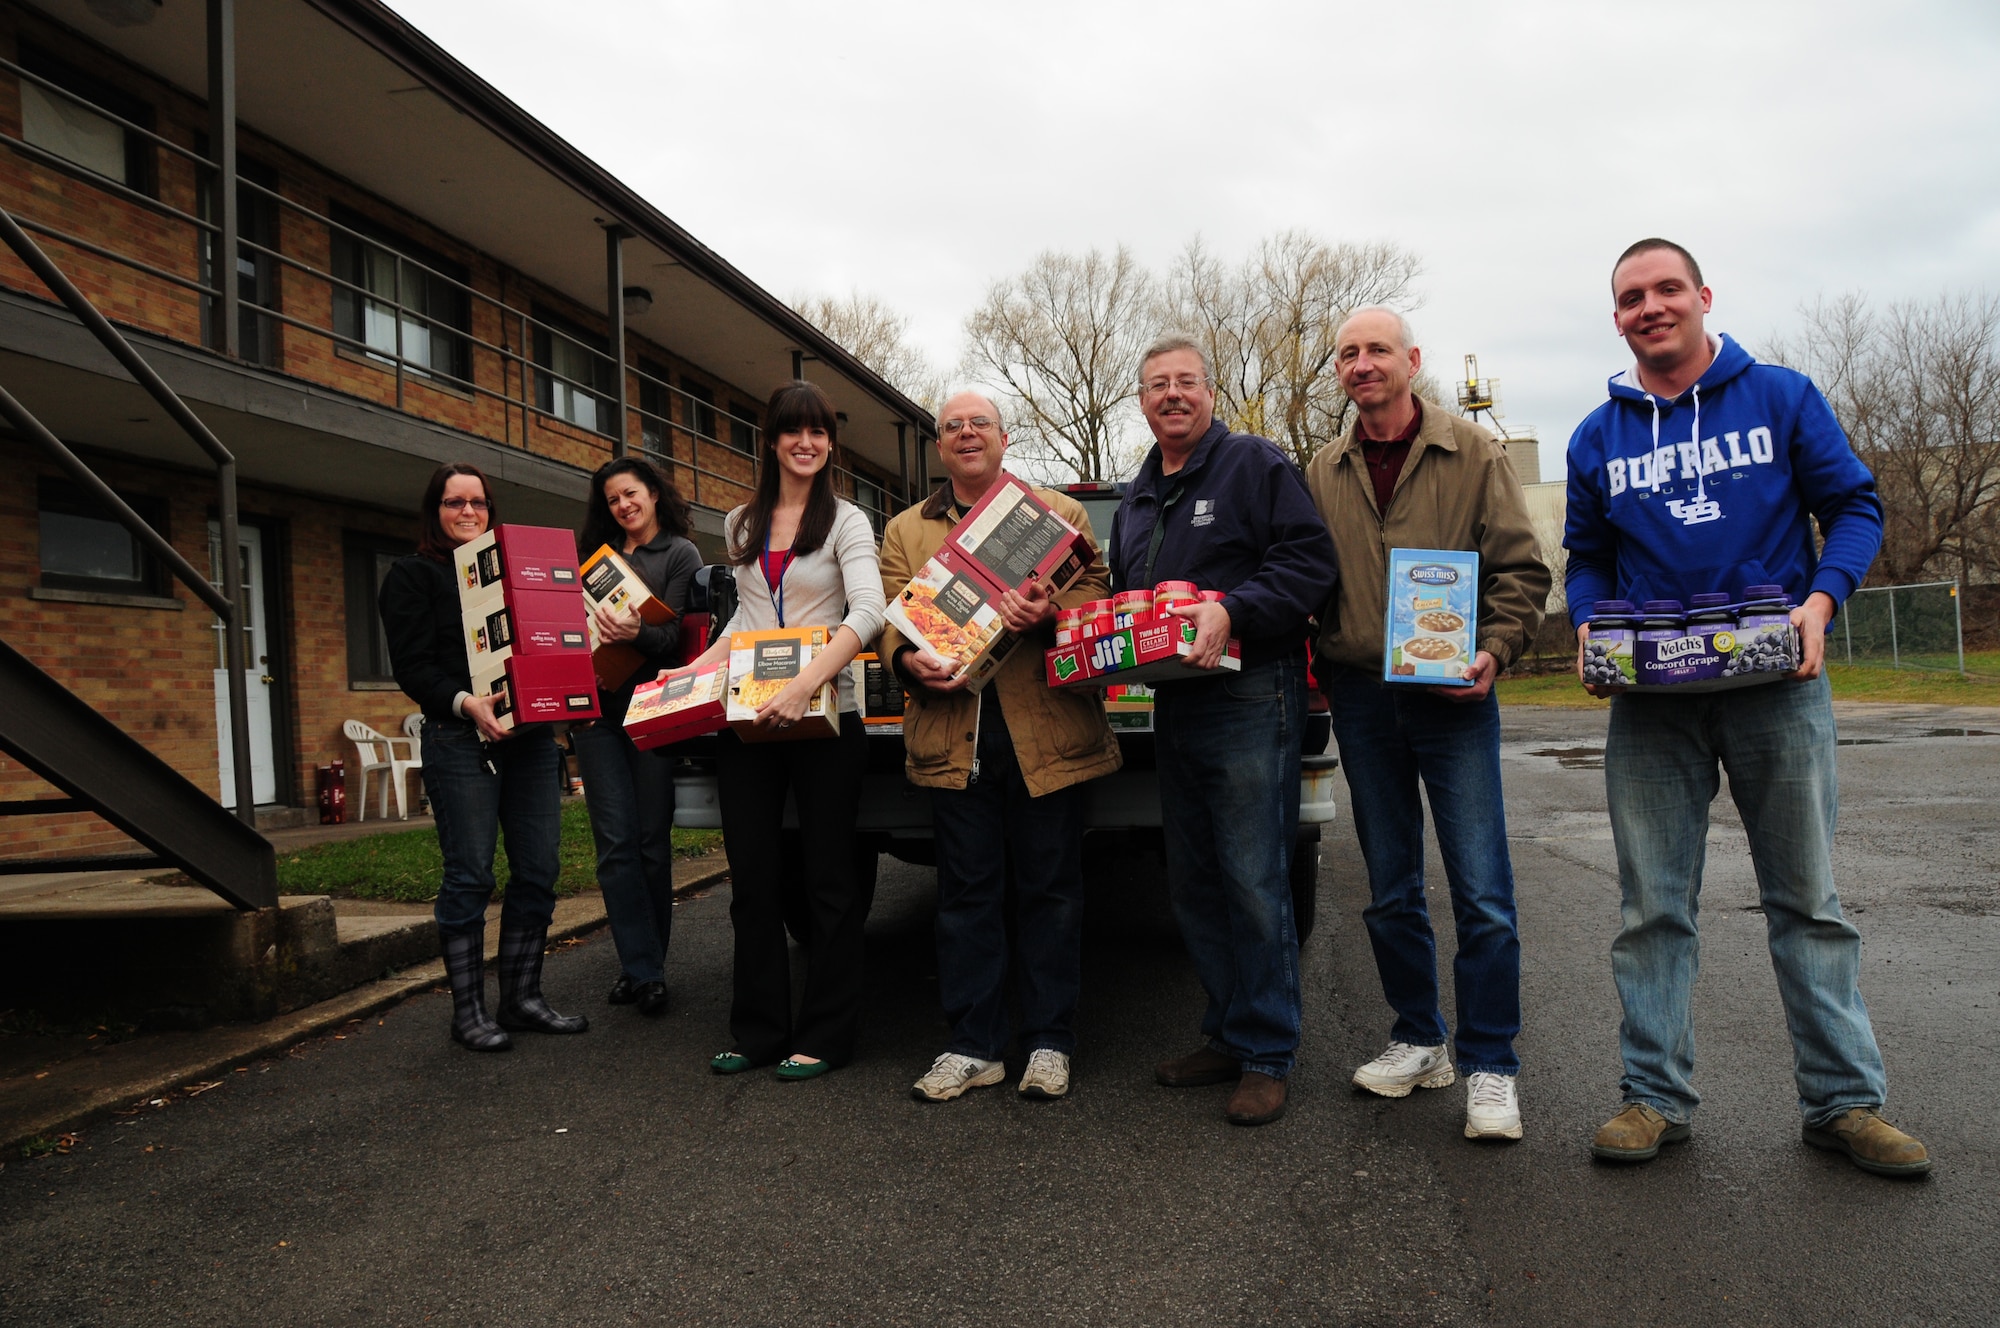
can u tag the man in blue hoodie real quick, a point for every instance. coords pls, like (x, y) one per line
(1229, 512)
(1706, 471)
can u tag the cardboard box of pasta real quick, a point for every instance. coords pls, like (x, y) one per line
(539, 689)
(1010, 537)
(950, 609)
(1149, 652)
(1432, 620)
(761, 664)
(526, 622)
(687, 703)
(510, 558)
(609, 582)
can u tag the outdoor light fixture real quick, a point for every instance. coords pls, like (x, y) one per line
(637, 300)
(124, 13)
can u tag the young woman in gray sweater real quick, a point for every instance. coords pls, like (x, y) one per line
(805, 559)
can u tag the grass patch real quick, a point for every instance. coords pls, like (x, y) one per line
(405, 865)
(1851, 682)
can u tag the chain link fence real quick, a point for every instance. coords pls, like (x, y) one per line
(1901, 627)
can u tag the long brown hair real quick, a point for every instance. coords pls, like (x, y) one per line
(601, 528)
(793, 408)
(432, 542)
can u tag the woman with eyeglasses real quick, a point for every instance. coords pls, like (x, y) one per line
(483, 779)
(805, 559)
(630, 792)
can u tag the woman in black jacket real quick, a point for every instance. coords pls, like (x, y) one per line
(482, 779)
(630, 792)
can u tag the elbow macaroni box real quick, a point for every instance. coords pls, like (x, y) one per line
(609, 582)
(1011, 537)
(761, 664)
(1430, 631)
(951, 610)
(687, 703)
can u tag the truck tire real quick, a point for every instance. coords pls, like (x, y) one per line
(1305, 882)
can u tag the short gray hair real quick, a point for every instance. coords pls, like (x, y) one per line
(971, 390)
(1170, 342)
(1403, 328)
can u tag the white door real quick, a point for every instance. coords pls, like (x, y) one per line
(257, 654)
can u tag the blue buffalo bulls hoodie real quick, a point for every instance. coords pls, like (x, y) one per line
(1716, 489)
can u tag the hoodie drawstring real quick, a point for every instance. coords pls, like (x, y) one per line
(1700, 470)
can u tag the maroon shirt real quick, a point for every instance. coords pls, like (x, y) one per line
(1385, 459)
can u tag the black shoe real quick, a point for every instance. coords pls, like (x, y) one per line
(623, 992)
(652, 998)
(521, 1004)
(465, 966)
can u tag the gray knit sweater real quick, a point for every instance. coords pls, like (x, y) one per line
(839, 584)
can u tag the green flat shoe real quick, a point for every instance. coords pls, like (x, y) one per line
(791, 1069)
(729, 1062)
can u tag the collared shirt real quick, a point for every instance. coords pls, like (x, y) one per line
(1385, 458)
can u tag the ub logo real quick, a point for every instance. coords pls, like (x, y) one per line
(1695, 513)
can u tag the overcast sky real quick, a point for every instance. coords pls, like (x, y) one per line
(916, 152)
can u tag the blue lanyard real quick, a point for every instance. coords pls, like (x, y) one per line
(777, 594)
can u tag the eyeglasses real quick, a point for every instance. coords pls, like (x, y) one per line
(1157, 387)
(978, 424)
(460, 504)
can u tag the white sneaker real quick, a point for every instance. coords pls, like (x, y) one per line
(1403, 1067)
(951, 1074)
(1492, 1110)
(1047, 1074)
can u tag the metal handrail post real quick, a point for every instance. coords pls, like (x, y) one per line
(1895, 651)
(222, 141)
(1958, 623)
(614, 314)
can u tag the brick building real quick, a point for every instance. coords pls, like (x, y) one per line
(423, 273)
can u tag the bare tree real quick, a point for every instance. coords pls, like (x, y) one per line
(1060, 344)
(879, 337)
(1917, 389)
(1269, 325)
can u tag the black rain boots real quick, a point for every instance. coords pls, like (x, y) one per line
(464, 964)
(521, 1005)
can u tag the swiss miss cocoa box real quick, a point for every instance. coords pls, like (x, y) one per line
(1432, 618)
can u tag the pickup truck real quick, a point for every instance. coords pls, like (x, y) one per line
(1122, 834)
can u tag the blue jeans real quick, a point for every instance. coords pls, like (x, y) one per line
(1392, 735)
(521, 795)
(982, 830)
(1228, 752)
(1660, 773)
(631, 798)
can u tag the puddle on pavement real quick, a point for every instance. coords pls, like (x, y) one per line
(1864, 742)
(1957, 733)
(1574, 758)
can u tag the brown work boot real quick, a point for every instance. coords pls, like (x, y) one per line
(1258, 1100)
(1204, 1065)
(1635, 1135)
(1870, 1143)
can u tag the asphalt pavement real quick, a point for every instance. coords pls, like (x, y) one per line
(381, 1175)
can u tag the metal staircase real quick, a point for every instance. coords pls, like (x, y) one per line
(57, 735)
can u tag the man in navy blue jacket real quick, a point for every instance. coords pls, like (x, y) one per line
(1229, 512)
(1705, 472)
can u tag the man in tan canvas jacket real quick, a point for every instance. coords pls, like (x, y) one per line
(1409, 475)
(1005, 765)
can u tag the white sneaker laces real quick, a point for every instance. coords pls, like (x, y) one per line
(1491, 1091)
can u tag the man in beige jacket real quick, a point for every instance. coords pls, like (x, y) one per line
(1410, 475)
(1005, 766)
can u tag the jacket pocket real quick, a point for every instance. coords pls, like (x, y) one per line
(929, 733)
(1076, 724)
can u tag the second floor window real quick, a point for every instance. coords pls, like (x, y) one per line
(399, 298)
(71, 123)
(700, 408)
(578, 386)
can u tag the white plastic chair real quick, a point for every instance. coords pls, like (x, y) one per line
(378, 756)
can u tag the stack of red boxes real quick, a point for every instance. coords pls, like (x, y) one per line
(527, 637)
